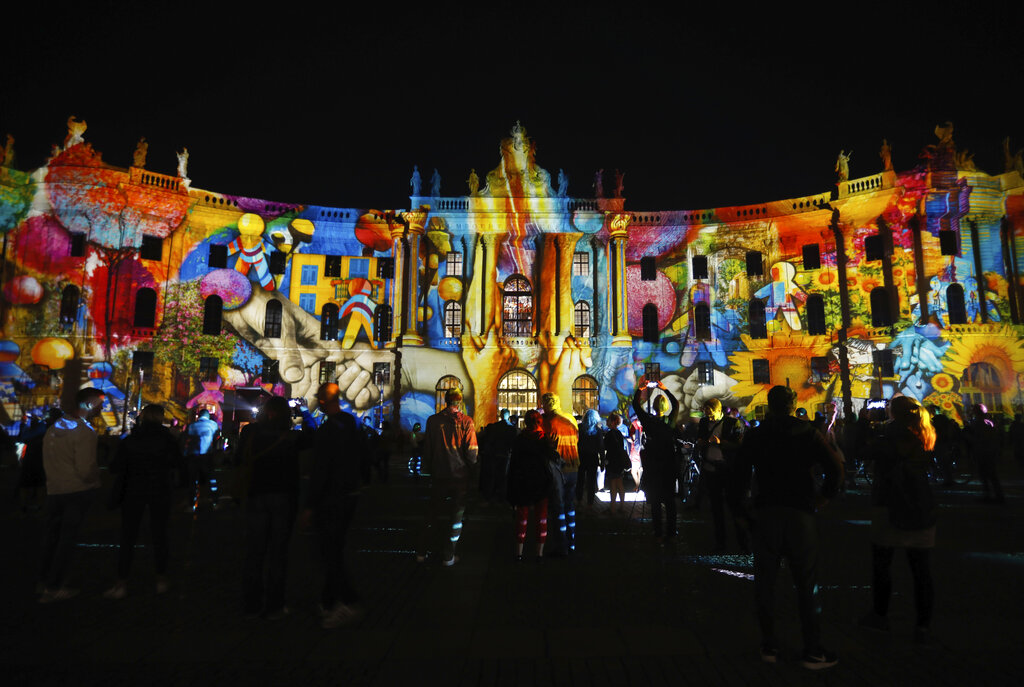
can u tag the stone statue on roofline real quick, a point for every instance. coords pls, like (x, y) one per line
(141, 150)
(76, 132)
(416, 182)
(964, 161)
(473, 182)
(183, 163)
(599, 183)
(563, 184)
(435, 184)
(518, 175)
(1013, 162)
(843, 165)
(620, 180)
(886, 154)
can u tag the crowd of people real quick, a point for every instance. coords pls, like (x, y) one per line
(772, 476)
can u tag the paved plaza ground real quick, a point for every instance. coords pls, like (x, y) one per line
(622, 611)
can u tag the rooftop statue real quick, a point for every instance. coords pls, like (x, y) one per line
(964, 160)
(599, 183)
(141, 149)
(76, 129)
(945, 134)
(473, 182)
(886, 154)
(518, 174)
(9, 151)
(415, 181)
(1010, 162)
(183, 163)
(563, 184)
(435, 184)
(843, 165)
(620, 178)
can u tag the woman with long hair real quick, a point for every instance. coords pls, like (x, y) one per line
(903, 511)
(529, 479)
(591, 448)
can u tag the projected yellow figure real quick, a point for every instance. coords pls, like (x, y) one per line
(358, 308)
(251, 251)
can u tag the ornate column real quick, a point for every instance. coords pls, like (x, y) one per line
(415, 221)
(397, 229)
(618, 227)
(565, 307)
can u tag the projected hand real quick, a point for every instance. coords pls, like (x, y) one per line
(919, 358)
(487, 359)
(567, 358)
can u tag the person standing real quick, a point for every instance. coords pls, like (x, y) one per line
(903, 512)
(334, 484)
(986, 447)
(495, 447)
(591, 448)
(529, 480)
(718, 439)
(72, 479)
(199, 446)
(450, 452)
(145, 460)
(658, 455)
(561, 430)
(782, 452)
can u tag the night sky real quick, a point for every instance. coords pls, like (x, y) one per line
(699, 109)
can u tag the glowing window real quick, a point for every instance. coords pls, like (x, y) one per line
(517, 307)
(581, 264)
(453, 264)
(272, 320)
(329, 322)
(517, 391)
(443, 385)
(585, 392)
(385, 268)
(705, 373)
(652, 371)
(271, 372)
(699, 267)
(702, 321)
(581, 320)
(881, 315)
(145, 308)
(213, 306)
(452, 319)
(328, 371)
(382, 323)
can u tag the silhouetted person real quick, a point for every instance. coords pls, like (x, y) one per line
(495, 446)
(718, 440)
(658, 456)
(529, 480)
(986, 445)
(591, 448)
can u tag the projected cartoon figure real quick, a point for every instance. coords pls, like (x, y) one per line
(252, 250)
(358, 308)
(974, 307)
(781, 294)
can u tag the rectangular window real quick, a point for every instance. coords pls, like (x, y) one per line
(152, 248)
(208, 368)
(812, 256)
(453, 264)
(270, 373)
(218, 257)
(705, 373)
(699, 267)
(277, 262)
(755, 265)
(883, 362)
(648, 270)
(873, 247)
(359, 267)
(309, 276)
(142, 360)
(385, 268)
(761, 372)
(948, 242)
(652, 371)
(819, 369)
(77, 245)
(580, 264)
(332, 266)
(328, 371)
(307, 301)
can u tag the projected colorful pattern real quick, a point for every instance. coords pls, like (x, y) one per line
(488, 291)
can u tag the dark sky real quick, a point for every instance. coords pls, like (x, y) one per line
(699, 108)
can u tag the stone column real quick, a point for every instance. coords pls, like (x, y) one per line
(397, 229)
(618, 227)
(415, 223)
(566, 307)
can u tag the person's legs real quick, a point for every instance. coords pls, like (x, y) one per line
(801, 548)
(715, 482)
(767, 557)
(281, 509)
(881, 578)
(456, 502)
(670, 511)
(521, 516)
(257, 532)
(70, 515)
(924, 591)
(159, 517)
(132, 509)
(569, 508)
(541, 508)
(333, 523)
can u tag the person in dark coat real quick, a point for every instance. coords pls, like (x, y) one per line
(986, 446)
(718, 440)
(146, 460)
(269, 456)
(658, 457)
(616, 461)
(529, 480)
(495, 445)
(591, 446)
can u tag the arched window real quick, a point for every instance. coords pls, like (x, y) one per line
(272, 319)
(956, 309)
(69, 299)
(329, 322)
(145, 308)
(581, 320)
(702, 321)
(982, 383)
(585, 392)
(816, 314)
(880, 313)
(517, 391)
(382, 323)
(756, 318)
(650, 322)
(212, 307)
(517, 307)
(452, 319)
(443, 385)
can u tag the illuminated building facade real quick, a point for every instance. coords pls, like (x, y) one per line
(900, 282)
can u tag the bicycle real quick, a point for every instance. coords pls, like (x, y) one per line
(689, 478)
